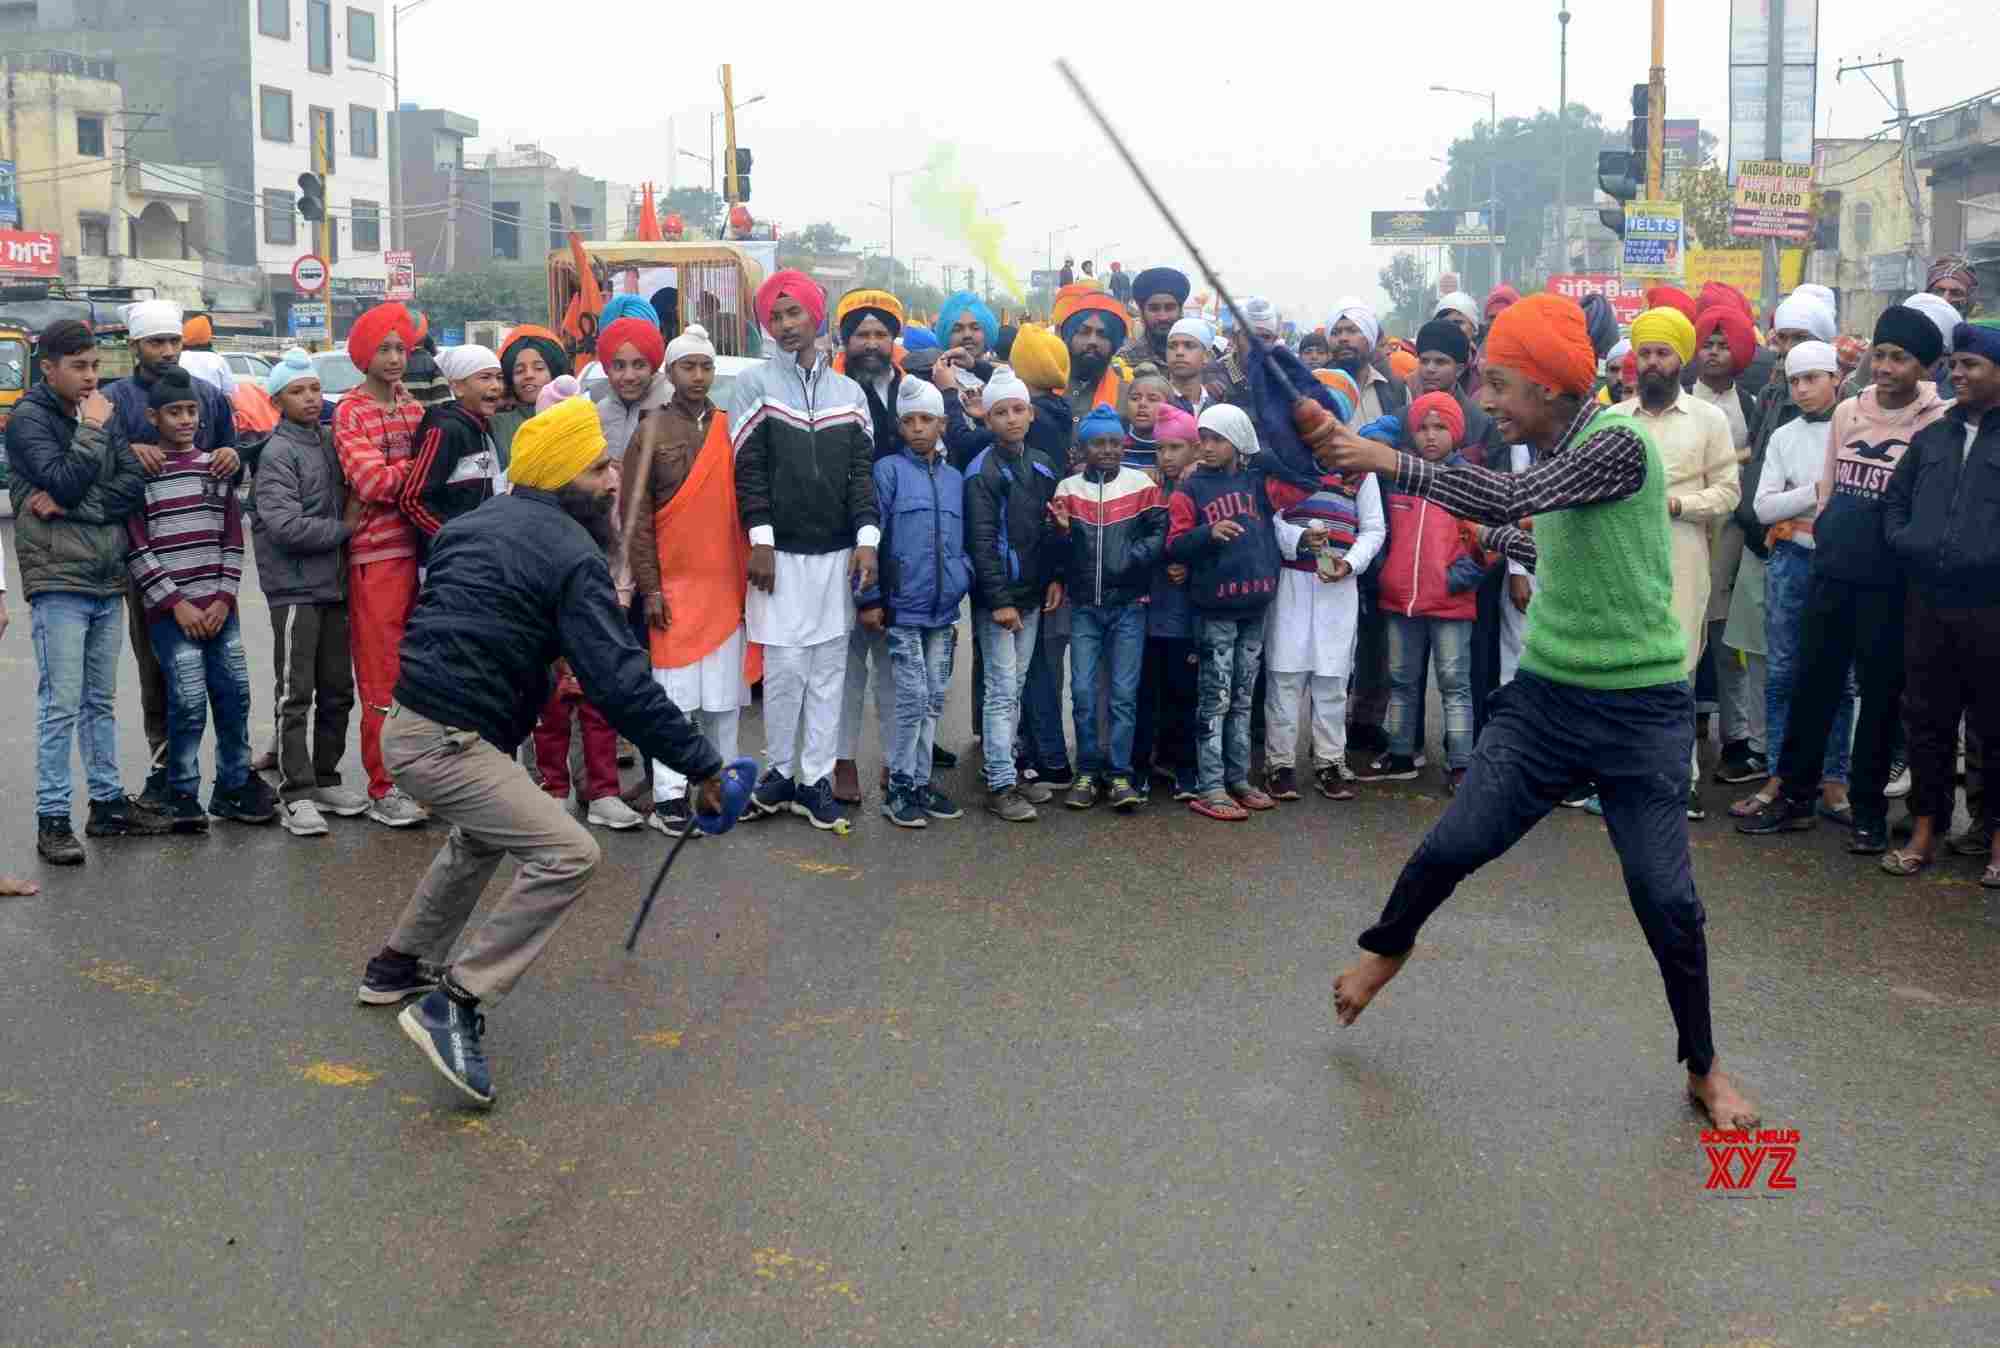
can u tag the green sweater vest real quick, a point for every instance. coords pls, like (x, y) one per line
(1603, 616)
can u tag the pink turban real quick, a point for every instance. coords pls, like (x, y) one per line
(795, 285)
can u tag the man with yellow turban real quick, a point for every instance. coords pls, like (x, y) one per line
(511, 588)
(1703, 484)
(1602, 692)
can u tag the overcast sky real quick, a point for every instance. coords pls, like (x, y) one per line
(1272, 138)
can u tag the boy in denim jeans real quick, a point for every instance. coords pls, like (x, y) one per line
(924, 575)
(187, 560)
(1218, 527)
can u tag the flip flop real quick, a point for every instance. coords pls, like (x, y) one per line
(1748, 806)
(1902, 861)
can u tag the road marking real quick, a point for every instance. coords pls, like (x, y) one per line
(337, 1074)
(660, 1038)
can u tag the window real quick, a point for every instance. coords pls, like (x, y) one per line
(448, 151)
(1864, 226)
(281, 225)
(274, 113)
(367, 217)
(319, 36)
(361, 128)
(96, 230)
(274, 18)
(583, 217)
(360, 35)
(555, 218)
(90, 136)
(507, 230)
(321, 121)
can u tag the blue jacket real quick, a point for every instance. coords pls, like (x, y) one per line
(216, 430)
(924, 569)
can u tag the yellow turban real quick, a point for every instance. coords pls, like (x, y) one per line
(1040, 358)
(552, 447)
(1668, 327)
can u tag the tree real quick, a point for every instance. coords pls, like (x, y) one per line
(1409, 290)
(1524, 161)
(512, 294)
(699, 209)
(820, 237)
(1705, 204)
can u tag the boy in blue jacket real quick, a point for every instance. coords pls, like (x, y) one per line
(924, 575)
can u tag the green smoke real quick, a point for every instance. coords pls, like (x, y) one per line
(949, 205)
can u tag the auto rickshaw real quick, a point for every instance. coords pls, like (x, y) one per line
(705, 282)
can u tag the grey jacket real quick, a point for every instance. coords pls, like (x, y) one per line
(91, 473)
(300, 497)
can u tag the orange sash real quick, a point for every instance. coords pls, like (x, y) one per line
(704, 560)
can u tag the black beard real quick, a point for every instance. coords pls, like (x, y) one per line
(865, 364)
(1657, 390)
(1089, 368)
(1350, 364)
(590, 510)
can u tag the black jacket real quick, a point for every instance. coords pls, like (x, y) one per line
(510, 588)
(1052, 431)
(93, 475)
(1941, 511)
(452, 470)
(805, 464)
(1016, 548)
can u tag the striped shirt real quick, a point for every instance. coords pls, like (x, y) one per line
(376, 445)
(187, 542)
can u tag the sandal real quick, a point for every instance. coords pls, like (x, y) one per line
(1750, 805)
(1990, 878)
(1903, 861)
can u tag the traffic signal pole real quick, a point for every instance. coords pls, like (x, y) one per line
(1656, 104)
(729, 188)
(1774, 131)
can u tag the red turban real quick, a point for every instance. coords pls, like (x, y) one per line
(1720, 292)
(369, 330)
(1446, 406)
(1734, 325)
(1667, 297)
(1545, 338)
(1499, 298)
(796, 285)
(646, 336)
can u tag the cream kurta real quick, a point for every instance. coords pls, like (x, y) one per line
(1696, 448)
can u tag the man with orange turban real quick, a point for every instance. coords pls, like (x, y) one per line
(1602, 691)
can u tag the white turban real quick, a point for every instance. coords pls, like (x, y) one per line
(1823, 294)
(1192, 327)
(463, 362)
(693, 341)
(914, 395)
(1360, 314)
(1261, 315)
(1804, 313)
(1458, 302)
(1807, 357)
(1619, 350)
(1005, 385)
(1232, 424)
(152, 318)
(1938, 311)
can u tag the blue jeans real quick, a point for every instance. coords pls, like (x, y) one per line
(1787, 586)
(1116, 635)
(920, 660)
(78, 639)
(1007, 657)
(201, 675)
(1231, 650)
(1413, 644)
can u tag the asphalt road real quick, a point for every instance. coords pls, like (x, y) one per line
(1074, 1083)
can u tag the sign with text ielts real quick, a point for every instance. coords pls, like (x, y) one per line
(30, 253)
(402, 275)
(1772, 200)
(1627, 298)
(1653, 250)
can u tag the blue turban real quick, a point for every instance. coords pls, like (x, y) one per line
(965, 302)
(1101, 420)
(1978, 338)
(917, 337)
(627, 306)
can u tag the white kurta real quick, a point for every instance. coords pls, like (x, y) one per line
(712, 683)
(810, 601)
(1309, 627)
(1513, 622)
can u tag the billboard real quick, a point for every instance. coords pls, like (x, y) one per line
(307, 319)
(30, 253)
(1749, 79)
(1653, 250)
(1418, 229)
(1772, 200)
(1680, 145)
(402, 276)
(10, 204)
(1627, 298)
(1744, 269)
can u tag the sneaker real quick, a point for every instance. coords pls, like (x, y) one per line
(902, 808)
(613, 813)
(1026, 772)
(254, 802)
(1740, 764)
(1218, 805)
(1899, 779)
(940, 806)
(449, 1031)
(128, 815)
(157, 792)
(1389, 768)
(1250, 798)
(1057, 778)
(943, 758)
(1034, 792)
(774, 794)
(671, 817)
(1696, 810)
(1187, 784)
(1419, 760)
(846, 782)
(344, 801)
(1082, 795)
(391, 978)
(1592, 805)
(1580, 798)
(1011, 805)
(185, 813)
(1870, 837)
(301, 818)
(817, 806)
(1782, 815)
(397, 810)
(55, 843)
(1336, 781)
(1125, 797)
(1282, 784)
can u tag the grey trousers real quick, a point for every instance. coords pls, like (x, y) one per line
(495, 810)
(1739, 691)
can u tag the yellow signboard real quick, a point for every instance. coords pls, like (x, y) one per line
(1744, 269)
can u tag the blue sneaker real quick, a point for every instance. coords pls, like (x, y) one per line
(1187, 784)
(774, 794)
(902, 808)
(817, 805)
(449, 1032)
(940, 806)
(393, 977)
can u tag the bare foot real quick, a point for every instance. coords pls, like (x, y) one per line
(1353, 990)
(1726, 1106)
(11, 885)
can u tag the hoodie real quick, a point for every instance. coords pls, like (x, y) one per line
(1233, 579)
(1866, 444)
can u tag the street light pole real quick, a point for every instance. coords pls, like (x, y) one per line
(396, 117)
(1562, 151)
(1492, 97)
(900, 173)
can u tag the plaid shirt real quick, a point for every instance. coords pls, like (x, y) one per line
(375, 444)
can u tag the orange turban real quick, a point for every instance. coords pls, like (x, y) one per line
(197, 331)
(641, 334)
(1729, 320)
(1667, 297)
(1546, 339)
(369, 330)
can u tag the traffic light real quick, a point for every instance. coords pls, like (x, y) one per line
(742, 174)
(312, 197)
(1622, 173)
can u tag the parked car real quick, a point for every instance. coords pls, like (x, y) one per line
(248, 365)
(337, 374)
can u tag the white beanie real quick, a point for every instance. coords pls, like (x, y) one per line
(1192, 327)
(1807, 357)
(463, 362)
(1458, 302)
(1261, 315)
(1005, 384)
(1939, 311)
(916, 395)
(1804, 313)
(693, 341)
(152, 318)
(1232, 424)
(1362, 315)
